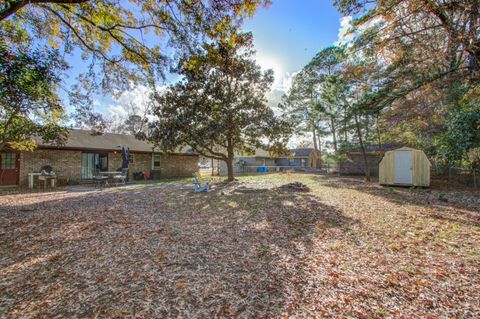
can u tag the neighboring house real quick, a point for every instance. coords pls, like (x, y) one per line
(84, 152)
(300, 158)
(355, 164)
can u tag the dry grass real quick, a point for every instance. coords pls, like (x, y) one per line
(250, 249)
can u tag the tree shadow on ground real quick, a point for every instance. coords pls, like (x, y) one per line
(456, 206)
(162, 252)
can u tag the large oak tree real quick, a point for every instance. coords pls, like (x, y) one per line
(219, 107)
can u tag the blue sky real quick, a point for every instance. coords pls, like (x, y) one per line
(287, 35)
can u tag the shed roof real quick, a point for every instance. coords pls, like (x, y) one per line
(88, 140)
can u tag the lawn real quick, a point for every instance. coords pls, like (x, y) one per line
(251, 249)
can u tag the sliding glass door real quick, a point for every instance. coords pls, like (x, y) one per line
(92, 162)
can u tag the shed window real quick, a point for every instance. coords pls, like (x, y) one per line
(156, 161)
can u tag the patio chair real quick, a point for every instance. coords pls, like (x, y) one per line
(200, 186)
(146, 176)
(121, 177)
(99, 179)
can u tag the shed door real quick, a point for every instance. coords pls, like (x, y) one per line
(9, 168)
(403, 167)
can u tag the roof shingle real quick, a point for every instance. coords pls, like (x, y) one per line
(86, 140)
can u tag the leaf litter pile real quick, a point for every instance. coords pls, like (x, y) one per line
(345, 249)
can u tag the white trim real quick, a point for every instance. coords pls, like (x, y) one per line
(153, 161)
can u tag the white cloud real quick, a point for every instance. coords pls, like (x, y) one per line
(118, 108)
(345, 34)
(130, 102)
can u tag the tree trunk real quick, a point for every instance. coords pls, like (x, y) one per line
(334, 133)
(229, 161)
(362, 147)
(319, 148)
(14, 6)
(213, 173)
(378, 134)
(315, 145)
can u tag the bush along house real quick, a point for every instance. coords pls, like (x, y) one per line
(85, 151)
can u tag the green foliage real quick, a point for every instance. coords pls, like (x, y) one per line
(426, 98)
(28, 103)
(462, 130)
(473, 157)
(311, 102)
(442, 197)
(219, 106)
(335, 158)
(125, 42)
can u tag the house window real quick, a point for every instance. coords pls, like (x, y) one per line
(303, 162)
(291, 162)
(92, 162)
(156, 161)
(9, 160)
(131, 158)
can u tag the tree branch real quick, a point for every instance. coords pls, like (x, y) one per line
(209, 155)
(89, 47)
(14, 6)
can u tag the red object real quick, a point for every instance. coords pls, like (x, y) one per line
(9, 168)
(146, 175)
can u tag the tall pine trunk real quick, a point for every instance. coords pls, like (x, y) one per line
(319, 148)
(362, 147)
(378, 134)
(315, 145)
(334, 133)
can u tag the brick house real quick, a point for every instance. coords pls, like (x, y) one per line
(300, 158)
(83, 152)
(355, 164)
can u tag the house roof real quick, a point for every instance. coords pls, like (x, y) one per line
(297, 152)
(258, 153)
(377, 148)
(87, 140)
(301, 152)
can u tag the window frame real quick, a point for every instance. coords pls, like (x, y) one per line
(10, 158)
(89, 175)
(156, 168)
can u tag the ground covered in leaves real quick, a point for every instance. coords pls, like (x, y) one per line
(324, 248)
